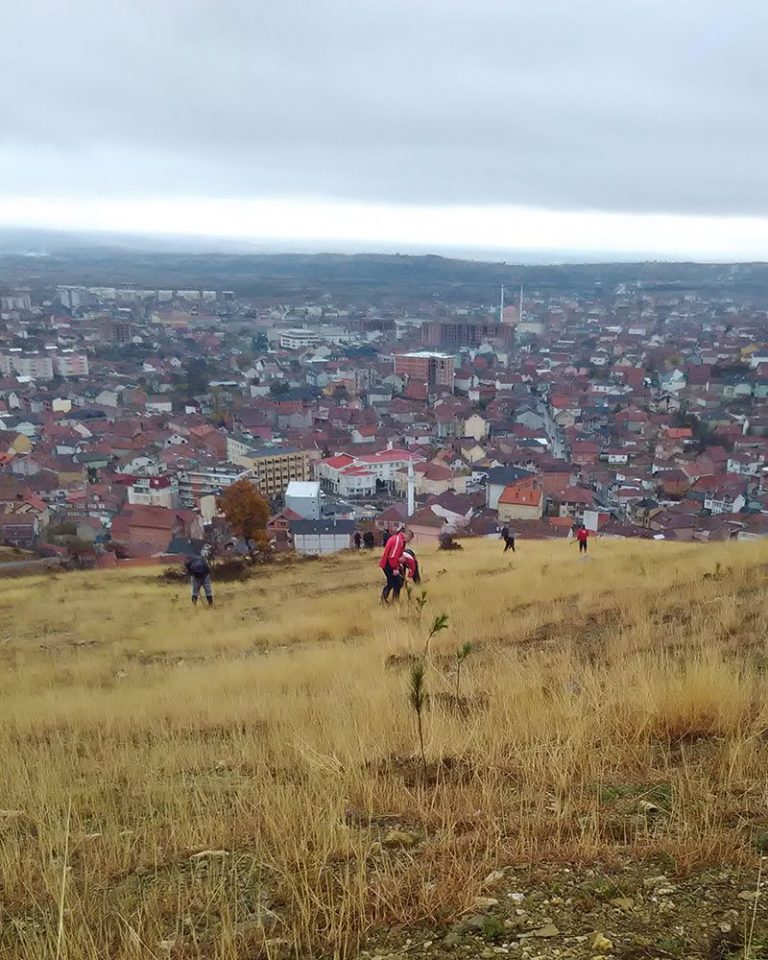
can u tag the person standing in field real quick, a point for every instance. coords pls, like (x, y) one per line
(199, 571)
(509, 539)
(582, 537)
(390, 563)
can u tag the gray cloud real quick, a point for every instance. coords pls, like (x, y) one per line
(633, 106)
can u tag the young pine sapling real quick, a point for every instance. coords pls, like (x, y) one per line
(461, 655)
(440, 623)
(418, 699)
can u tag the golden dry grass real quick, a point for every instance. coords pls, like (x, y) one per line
(617, 704)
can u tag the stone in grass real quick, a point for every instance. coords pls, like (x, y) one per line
(473, 924)
(484, 903)
(494, 878)
(262, 919)
(651, 882)
(623, 903)
(601, 943)
(548, 930)
(400, 838)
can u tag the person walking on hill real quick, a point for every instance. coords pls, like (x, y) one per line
(582, 538)
(390, 563)
(358, 540)
(509, 539)
(199, 571)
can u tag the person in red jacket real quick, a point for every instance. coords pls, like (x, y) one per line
(390, 563)
(582, 535)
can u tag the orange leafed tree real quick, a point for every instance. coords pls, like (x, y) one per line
(247, 513)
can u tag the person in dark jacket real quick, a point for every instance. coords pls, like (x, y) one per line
(358, 540)
(199, 571)
(509, 539)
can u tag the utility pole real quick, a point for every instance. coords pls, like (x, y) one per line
(411, 490)
(501, 305)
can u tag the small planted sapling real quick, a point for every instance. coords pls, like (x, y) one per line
(419, 601)
(440, 623)
(418, 698)
(461, 655)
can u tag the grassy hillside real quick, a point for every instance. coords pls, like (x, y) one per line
(246, 781)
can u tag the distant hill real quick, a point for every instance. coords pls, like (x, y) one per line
(93, 261)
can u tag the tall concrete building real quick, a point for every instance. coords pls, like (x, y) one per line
(452, 334)
(70, 364)
(425, 366)
(271, 468)
(37, 366)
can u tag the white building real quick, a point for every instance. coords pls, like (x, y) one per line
(303, 497)
(70, 364)
(155, 492)
(362, 476)
(315, 538)
(298, 338)
(35, 366)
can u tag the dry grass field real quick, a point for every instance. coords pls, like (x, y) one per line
(246, 781)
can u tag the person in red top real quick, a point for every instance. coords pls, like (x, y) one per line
(582, 535)
(409, 567)
(390, 563)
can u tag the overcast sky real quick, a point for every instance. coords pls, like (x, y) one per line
(587, 125)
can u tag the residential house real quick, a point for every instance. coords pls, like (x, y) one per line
(476, 426)
(523, 500)
(319, 537)
(574, 501)
(428, 526)
(498, 479)
(148, 531)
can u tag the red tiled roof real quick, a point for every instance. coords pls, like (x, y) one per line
(340, 461)
(577, 495)
(521, 494)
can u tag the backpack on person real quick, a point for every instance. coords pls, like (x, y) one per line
(198, 567)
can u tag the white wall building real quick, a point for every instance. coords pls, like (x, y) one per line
(315, 538)
(303, 497)
(299, 338)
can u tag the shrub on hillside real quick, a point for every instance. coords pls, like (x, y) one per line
(448, 543)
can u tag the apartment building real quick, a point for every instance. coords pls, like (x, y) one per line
(43, 366)
(424, 366)
(37, 366)
(70, 364)
(207, 480)
(162, 491)
(299, 338)
(271, 468)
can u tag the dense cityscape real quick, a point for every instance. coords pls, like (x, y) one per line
(125, 412)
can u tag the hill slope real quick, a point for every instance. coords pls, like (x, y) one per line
(247, 781)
